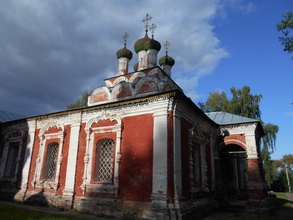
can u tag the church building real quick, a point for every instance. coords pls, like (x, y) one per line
(140, 149)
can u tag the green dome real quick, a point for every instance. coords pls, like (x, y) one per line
(152, 44)
(146, 43)
(139, 44)
(166, 60)
(124, 52)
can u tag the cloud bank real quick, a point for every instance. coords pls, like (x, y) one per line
(52, 51)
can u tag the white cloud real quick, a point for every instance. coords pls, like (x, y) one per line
(61, 48)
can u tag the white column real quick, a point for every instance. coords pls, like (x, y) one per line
(72, 159)
(177, 158)
(28, 155)
(160, 157)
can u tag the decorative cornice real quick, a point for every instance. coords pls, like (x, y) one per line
(113, 105)
(239, 125)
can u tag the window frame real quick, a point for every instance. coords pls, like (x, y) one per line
(197, 169)
(93, 135)
(97, 159)
(13, 137)
(47, 162)
(45, 139)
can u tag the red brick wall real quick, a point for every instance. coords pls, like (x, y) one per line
(185, 126)
(135, 180)
(80, 160)
(34, 155)
(253, 170)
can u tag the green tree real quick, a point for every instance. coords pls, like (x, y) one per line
(80, 102)
(286, 26)
(217, 101)
(283, 173)
(288, 162)
(246, 104)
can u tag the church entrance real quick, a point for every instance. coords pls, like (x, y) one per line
(234, 171)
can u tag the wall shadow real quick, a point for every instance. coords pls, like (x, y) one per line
(38, 199)
(14, 154)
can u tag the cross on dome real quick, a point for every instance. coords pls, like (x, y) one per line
(152, 29)
(166, 46)
(125, 36)
(146, 21)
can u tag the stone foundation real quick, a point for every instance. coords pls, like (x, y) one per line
(183, 209)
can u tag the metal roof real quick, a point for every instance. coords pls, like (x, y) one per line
(8, 116)
(225, 118)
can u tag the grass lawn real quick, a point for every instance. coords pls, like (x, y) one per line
(282, 200)
(9, 212)
(281, 203)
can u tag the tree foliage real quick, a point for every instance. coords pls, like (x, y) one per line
(282, 172)
(242, 103)
(246, 104)
(286, 26)
(288, 160)
(80, 102)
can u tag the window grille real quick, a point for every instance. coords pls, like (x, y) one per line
(104, 161)
(51, 161)
(11, 161)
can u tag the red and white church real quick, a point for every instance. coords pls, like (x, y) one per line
(140, 149)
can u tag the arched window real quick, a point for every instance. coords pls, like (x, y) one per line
(104, 161)
(51, 161)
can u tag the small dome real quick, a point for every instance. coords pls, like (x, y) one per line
(124, 52)
(146, 43)
(166, 60)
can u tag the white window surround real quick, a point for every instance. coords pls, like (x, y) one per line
(38, 181)
(87, 185)
(11, 137)
(51, 161)
(197, 143)
(104, 161)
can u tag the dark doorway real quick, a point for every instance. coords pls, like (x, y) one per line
(234, 171)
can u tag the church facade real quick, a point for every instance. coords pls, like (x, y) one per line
(140, 149)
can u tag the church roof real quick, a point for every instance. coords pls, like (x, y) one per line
(225, 118)
(8, 116)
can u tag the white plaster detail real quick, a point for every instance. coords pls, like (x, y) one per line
(72, 156)
(156, 79)
(135, 76)
(151, 58)
(37, 179)
(14, 134)
(28, 152)
(119, 88)
(142, 60)
(160, 157)
(103, 90)
(87, 185)
(197, 145)
(123, 66)
(120, 79)
(177, 158)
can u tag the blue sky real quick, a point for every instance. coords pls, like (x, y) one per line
(52, 51)
(256, 59)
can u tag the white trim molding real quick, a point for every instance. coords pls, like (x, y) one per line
(37, 180)
(87, 185)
